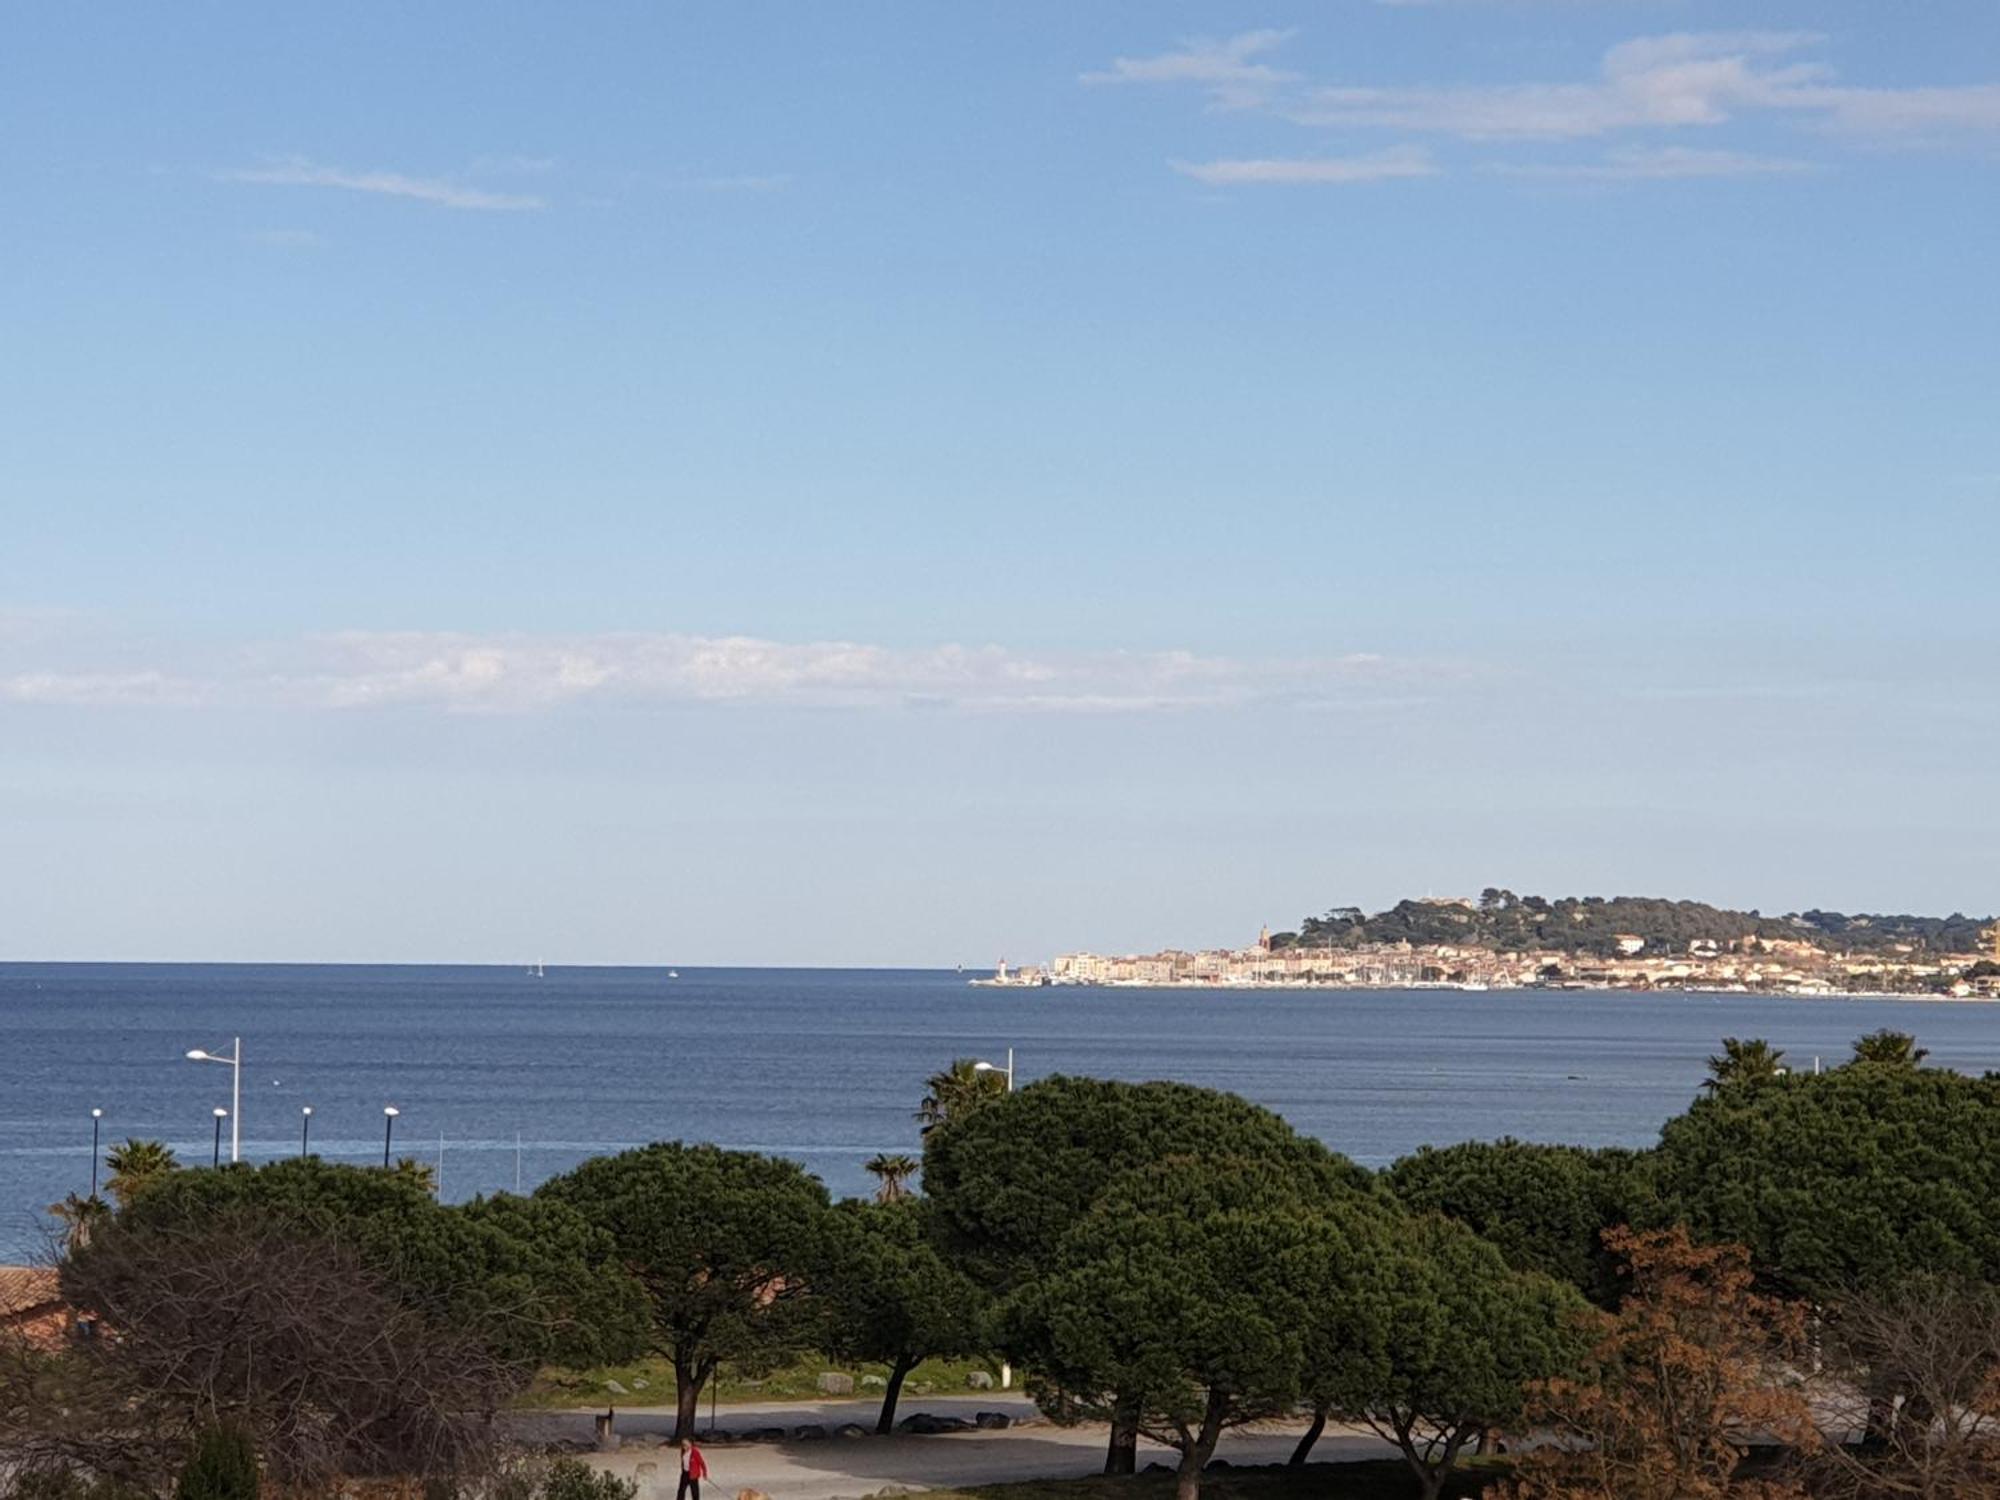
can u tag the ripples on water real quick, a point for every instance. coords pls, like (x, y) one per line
(823, 1065)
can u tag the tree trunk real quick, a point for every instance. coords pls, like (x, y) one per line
(1187, 1479)
(886, 1423)
(689, 1377)
(1198, 1447)
(1121, 1454)
(1312, 1434)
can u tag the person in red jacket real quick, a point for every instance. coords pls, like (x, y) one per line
(694, 1469)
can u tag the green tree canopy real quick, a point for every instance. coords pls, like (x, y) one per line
(1545, 1207)
(893, 1171)
(135, 1166)
(958, 1091)
(892, 1297)
(1439, 1339)
(532, 1278)
(1846, 1182)
(1011, 1180)
(724, 1243)
(1180, 1304)
(1896, 1049)
(1754, 1061)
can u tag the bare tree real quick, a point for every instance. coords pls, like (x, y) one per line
(1917, 1374)
(294, 1339)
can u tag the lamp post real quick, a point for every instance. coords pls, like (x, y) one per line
(305, 1131)
(389, 1113)
(216, 1159)
(1006, 1368)
(96, 1120)
(235, 1062)
(987, 1067)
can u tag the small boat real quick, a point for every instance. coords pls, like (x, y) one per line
(535, 970)
(673, 973)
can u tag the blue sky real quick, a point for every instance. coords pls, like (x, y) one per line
(901, 483)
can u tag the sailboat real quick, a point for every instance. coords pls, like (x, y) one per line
(535, 970)
(673, 973)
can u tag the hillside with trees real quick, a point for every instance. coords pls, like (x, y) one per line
(1593, 925)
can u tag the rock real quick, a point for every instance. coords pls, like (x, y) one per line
(764, 1435)
(850, 1430)
(873, 1382)
(615, 1388)
(1220, 1463)
(834, 1383)
(992, 1421)
(639, 1383)
(925, 1424)
(810, 1432)
(979, 1380)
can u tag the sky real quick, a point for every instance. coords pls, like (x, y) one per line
(914, 484)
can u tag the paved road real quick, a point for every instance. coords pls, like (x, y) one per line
(843, 1468)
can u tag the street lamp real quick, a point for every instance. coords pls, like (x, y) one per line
(96, 1119)
(305, 1132)
(235, 1063)
(1006, 1367)
(389, 1113)
(216, 1159)
(987, 1067)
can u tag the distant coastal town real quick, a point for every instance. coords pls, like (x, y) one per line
(1501, 941)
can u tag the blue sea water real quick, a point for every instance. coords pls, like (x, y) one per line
(825, 1066)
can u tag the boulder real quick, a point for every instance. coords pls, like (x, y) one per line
(834, 1383)
(850, 1430)
(764, 1435)
(873, 1382)
(615, 1388)
(992, 1421)
(979, 1380)
(809, 1432)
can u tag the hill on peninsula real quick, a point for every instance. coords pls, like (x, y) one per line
(1503, 921)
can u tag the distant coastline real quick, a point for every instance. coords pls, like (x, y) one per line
(1500, 941)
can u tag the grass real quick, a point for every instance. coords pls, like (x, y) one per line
(650, 1382)
(1372, 1479)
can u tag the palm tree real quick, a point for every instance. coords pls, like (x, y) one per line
(957, 1091)
(1754, 1061)
(894, 1172)
(1896, 1048)
(76, 1216)
(422, 1173)
(136, 1166)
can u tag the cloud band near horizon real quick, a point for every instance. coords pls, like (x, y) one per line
(520, 673)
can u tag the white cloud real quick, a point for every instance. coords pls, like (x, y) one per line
(1661, 164)
(1665, 82)
(1381, 166)
(147, 689)
(1678, 81)
(1227, 68)
(517, 673)
(522, 672)
(297, 171)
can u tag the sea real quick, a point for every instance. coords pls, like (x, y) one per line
(502, 1077)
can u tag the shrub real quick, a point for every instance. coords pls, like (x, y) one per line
(573, 1479)
(222, 1467)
